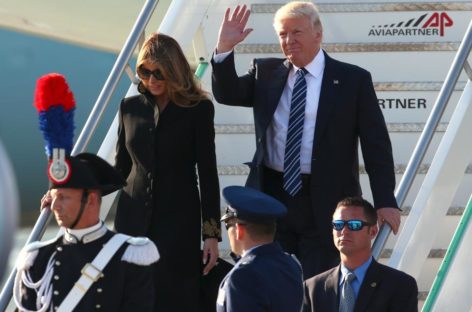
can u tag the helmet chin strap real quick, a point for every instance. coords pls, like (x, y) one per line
(83, 201)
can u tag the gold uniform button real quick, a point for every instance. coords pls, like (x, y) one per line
(99, 290)
(58, 263)
(98, 306)
(56, 292)
(56, 277)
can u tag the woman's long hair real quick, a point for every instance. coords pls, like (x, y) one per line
(182, 87)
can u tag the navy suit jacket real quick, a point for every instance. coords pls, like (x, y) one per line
(348, 112)
(264, 279)
(383, 289)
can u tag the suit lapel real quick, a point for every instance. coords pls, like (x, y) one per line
(330, 87)
(275, 89)
(372, 280)
(331, 290)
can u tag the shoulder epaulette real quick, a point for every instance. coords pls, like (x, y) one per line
(140, 251)
(29, 253)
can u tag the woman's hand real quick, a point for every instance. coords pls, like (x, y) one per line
(210, 254)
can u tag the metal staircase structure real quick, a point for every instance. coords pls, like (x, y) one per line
(408, 48)
(9, 207)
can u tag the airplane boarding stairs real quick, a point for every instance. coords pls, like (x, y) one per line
(408, 72)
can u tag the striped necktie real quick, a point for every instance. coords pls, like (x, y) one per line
(292, 170)
(348, 297)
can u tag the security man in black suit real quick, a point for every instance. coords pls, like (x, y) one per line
(264, 278)
(359, 283)
(89, 267)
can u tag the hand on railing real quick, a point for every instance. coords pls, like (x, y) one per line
(391, 216)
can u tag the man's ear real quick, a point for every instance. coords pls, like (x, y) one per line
(373, 230)
(93, 198)
(240, 231)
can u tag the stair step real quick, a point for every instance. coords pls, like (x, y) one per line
(274, 48)
(433, 253)
(392, 127)
(235, 144)
(408, 66)
(403, 105)
(237, 174)
(371, 7)
(452, 211)
(243, 170)
(386, 254)
(415, 86)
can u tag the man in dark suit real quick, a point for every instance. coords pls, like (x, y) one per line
(264, 278)
(359, 283)
(308, 161)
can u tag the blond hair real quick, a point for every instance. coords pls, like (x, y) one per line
(299, 9)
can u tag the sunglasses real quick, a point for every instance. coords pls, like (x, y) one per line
(228, 224)
(352, 225)
(145, 74)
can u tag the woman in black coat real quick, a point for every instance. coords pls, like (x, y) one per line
(166, 136)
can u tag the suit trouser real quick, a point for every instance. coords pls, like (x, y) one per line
(297, 231)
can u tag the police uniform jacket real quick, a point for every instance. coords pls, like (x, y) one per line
(126, 284)
(264, 279)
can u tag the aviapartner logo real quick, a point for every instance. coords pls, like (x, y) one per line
(429, 24)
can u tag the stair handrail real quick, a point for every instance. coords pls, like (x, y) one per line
(448, 258)
(459, 63)
(90, 126)
(9, 207)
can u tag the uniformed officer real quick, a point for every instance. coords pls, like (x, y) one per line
(265, 278)
(89, 267)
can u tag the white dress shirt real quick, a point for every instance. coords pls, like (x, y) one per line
(277, 131)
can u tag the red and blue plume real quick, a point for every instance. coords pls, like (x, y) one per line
(56, 105)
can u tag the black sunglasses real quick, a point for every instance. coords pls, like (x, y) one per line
(145, 74)
(353, 225)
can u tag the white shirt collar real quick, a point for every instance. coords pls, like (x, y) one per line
(316, 66)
